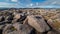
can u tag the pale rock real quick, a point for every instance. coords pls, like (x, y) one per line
(38, 23)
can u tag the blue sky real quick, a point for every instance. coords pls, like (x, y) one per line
(30, 3)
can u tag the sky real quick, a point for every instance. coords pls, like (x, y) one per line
(30, 3)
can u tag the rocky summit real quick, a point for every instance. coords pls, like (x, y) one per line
(30, 21)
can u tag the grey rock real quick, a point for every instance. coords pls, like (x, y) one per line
(53, 32)
(1, 18)
(2, 26)
(38, 32)
(23, 28)
(10, 17)
(18, 29)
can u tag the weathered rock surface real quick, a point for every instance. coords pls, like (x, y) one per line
(1, 18)
(53, 32)
(38, 23)
(30, 21)
(17, 16)
(53, 19)
(55, 24)
(2, 26)
(18, 29)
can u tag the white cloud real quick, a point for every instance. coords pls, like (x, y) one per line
(54, 2)
(14, 0)
(44, 7)
(9, 5)
(37, 3)
(18, 4)
(30, 5)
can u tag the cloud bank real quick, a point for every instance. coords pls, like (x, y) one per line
(30, 4)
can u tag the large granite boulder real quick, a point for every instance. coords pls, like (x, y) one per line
(38, 23)
(53, 19)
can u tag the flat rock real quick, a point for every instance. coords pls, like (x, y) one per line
(38, 23)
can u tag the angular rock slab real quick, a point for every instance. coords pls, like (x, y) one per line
(23, 28)
(38, 23)
(26, 30)
(52, 32)
(53, 19)
(55, 24)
